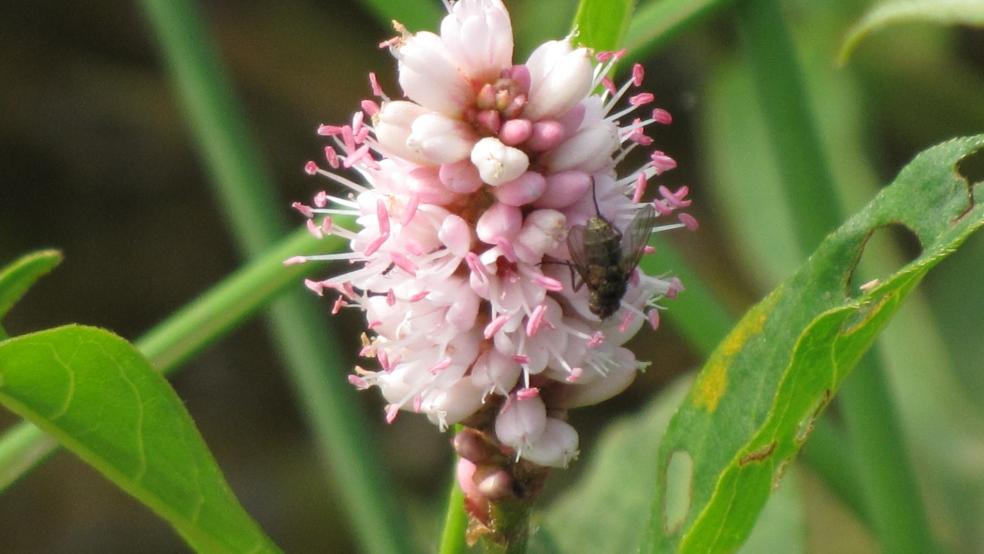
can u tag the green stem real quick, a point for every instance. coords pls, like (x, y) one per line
(892, 500)
(185, 333)
(455, 522)
(247, 196)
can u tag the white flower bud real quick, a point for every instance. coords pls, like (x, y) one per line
(559, 78)
(440, 139)
(430, 77)
(498, 163)
(521, 421)
(589, 150)
(479, 35)
(556, 447)
(393, 128)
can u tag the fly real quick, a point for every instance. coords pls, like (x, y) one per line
(605, 258)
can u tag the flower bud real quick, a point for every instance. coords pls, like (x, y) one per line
(564, 189)
(393, 128)
(451, 405)
(498, 163)
(430, 77)
(499, 221)
(461, 177)
(620, 376)
(455, 234)
(440, 139)
(521, 421)
(589, 150)
(479, 34)
(559, 78)
(522, 190)
(495, 371)
(424, 182)
(546, 135)
(555, 447)
(515, 131)
(542, 231)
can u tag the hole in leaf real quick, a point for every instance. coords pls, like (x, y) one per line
(886, 250)
(972, 167)
(679, 481)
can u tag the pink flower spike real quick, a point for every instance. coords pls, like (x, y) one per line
(311, 168)
(662, 162)
(338, 305)
(609, 86)
(526, 394)
(574, 375)
(329, 130)
(495, 325)
(440, 366)
(304, 209)
(640, 187)
(391, 412)
(294, 260)
(315, 286)
(653, 317)
(410, 210)
(642, 99)
(375, 245)
(638, 72)
(662, 207)
(374, 85)
(548, 283)
(382, 217)
(332, 157)
(371, 108)
(689, 220)
(358, 382)
(662, 116)
(596, 340)
(626, 321)
(314, 229)
(404, 263)
(675, 288)
(535, 320)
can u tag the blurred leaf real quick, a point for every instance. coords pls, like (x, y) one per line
(604, 511)
(102, 399)
(601, 24)
(781, 527)
(753, 404)
(966, 12)
(19, 276)
(417, 15)
(658, 21)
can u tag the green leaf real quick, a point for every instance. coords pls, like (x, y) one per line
(754, 402)
(417, 15)
(945, 12)
(601, 24)
(19, 276)
(102, 399)
(658, 21)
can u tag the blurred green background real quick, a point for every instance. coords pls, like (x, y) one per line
(96, 159)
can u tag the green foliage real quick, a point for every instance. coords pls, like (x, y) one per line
(754, 402)
(601, 24)
(19, 276)
(104, 401)
(658, 21)
(965, 12)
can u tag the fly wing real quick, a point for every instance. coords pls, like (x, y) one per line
(636, 236)
(575, 245)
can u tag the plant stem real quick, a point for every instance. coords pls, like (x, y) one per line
(893, 502)
(247, 196)
(455, 522)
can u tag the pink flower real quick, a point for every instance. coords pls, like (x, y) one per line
(466, 194)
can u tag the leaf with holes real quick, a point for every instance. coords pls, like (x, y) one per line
(19, 276)
(753, 404)
(102, 399)
(953, 12)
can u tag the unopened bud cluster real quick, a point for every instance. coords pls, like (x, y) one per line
(465, 194)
